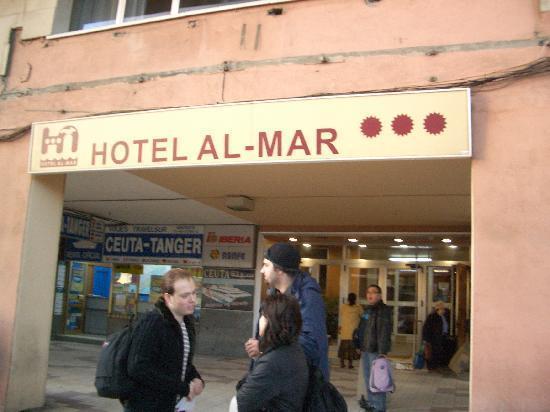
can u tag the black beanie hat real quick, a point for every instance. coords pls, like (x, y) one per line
(284, 255)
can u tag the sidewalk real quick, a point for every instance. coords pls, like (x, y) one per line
(71, 372)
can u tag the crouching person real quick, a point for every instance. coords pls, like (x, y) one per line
(160, 361)
(279, 378)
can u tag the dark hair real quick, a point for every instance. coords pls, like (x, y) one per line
(284, 321)
(290, 272)
(376, 287)
(171, 277)
(352, 298)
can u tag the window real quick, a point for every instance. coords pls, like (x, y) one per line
(73, 15)
(188, 5)
(89, 14)
(140, 9)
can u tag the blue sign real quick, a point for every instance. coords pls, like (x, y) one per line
(83, 250)
(76, 227)
(162, 244)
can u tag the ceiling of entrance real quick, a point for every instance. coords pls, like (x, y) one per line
(417, 195)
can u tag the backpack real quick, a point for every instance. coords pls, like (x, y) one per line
(359, 333)
(381, 376)
(321, 395)
(111, 378)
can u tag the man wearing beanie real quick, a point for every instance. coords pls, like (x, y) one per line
(281, 270)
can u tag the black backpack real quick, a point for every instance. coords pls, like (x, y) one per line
(111, 378)
(322, 396)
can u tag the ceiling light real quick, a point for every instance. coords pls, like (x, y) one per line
(409, 259)
(398, 240)
(306, 244)
(362, 245)
(353, 240)
(446, 240)
(292, 239)
(410, 247)
(453, 246)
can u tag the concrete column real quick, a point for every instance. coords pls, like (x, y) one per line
(35, 292)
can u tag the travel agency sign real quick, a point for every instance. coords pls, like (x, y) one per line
(427, 124)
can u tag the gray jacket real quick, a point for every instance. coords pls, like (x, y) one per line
(375, 328)
(277, 383)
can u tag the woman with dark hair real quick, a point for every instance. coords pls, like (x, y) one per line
(279, 379)
(350, 315)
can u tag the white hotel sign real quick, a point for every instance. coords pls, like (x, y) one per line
(433, 124)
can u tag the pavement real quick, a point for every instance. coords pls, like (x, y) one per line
(70, 384)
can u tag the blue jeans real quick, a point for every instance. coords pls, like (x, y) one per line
(376, 400)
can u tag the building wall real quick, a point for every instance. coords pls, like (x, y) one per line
(510, 237)
(332, 46)
(36, 17)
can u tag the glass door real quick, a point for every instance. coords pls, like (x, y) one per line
(402, 296)
(441, 289)
(360, 279)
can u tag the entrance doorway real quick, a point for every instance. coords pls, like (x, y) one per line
(411, 283)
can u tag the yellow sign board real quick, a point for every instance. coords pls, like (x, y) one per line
(431, 124)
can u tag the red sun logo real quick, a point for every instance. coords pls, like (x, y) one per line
(434, 123)
(402, 124)
(371, 126)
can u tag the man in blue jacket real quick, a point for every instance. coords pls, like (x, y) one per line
(281, 270)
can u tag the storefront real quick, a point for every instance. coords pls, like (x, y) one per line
(109, 274)
(411, 283)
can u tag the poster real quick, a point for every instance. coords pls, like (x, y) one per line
(228, 288)
(230, 246)
(59, 289)
(156, 288)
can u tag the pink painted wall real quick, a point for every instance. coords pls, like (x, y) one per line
(511, 238)
(370, 47)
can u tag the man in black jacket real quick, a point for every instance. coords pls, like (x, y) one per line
(160, 361)
(375, 331)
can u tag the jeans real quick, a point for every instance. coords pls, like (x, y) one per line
(376, 400)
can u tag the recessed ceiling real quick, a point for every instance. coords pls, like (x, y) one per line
(121, 196)
(359, 196)
(412, 193)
